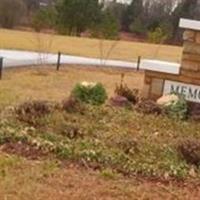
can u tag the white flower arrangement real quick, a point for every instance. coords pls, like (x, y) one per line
(168, 100)
(88, 84)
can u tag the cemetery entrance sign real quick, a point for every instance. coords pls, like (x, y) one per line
(189, 91)
(183, 78)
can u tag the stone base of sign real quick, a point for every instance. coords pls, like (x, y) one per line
(154, 81)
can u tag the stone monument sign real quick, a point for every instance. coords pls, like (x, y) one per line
(183, 78)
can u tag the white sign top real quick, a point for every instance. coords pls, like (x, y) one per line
(160, 66)
(189, 91)
(189, 24)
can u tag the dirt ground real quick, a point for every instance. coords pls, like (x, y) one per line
(34, 180)
(81, 184)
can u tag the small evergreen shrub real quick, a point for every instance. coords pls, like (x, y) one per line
(90, 93)
(107, 27)
(157, 36)
(43, 18)
(177, 109)
(138, 27)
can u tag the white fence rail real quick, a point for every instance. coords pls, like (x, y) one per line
(14, 58)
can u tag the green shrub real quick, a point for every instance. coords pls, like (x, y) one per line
(157, 36)
(43, 18)
(177, 109)
(90, 93)
(137, 27)
(107, 28)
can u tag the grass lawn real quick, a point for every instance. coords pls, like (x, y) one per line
(93, 152)
(11, 39)
(21, 84)
(45, 180)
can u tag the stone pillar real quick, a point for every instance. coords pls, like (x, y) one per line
(190, 64)
(191, 51)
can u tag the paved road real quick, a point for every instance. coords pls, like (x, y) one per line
(14, 58)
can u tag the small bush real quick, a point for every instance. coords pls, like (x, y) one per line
(72, 105)
(177, 109)
(148, 107)
(123, 90)
(43, 18)
(30, 111)
(190, 151)
(157, 36)
(90, 93)
(106, 28)
(138, 27)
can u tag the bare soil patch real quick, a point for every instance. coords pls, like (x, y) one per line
(23, 149)
(76, 183)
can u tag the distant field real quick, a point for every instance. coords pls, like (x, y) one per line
(11, 39)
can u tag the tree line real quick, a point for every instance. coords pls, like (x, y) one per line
(156, 20)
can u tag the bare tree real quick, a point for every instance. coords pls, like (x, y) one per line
(106, 48)
(43, 44)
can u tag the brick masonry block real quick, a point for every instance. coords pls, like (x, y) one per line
(194, 77)
(189, 35)
(185, 76)
(147, 80)
(190, 65)
(192, 48)
(145, 91)
(154, 89)
(197, 38)
(157, 86)
(191, 57)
